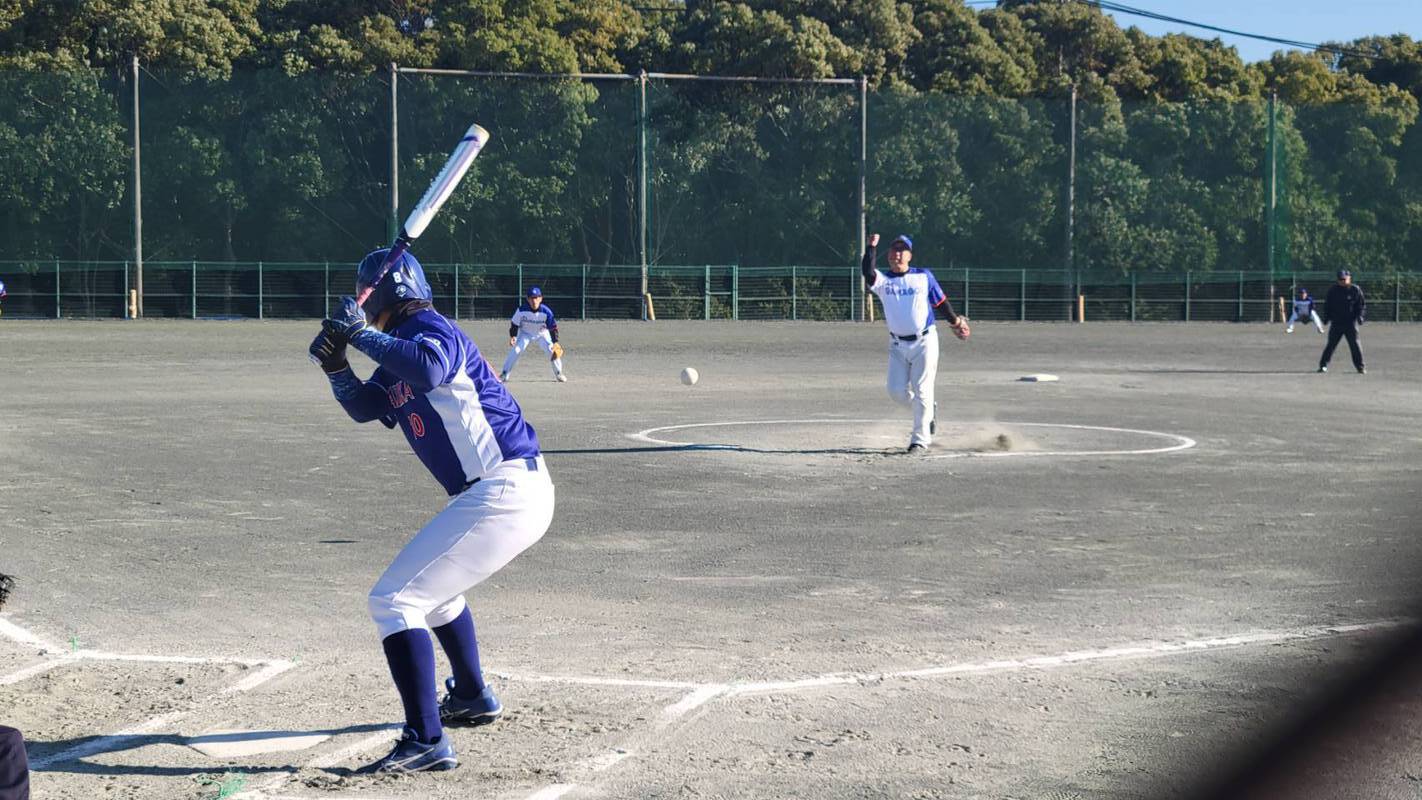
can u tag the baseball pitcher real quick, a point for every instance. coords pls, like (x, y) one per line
(908, 296)
(470, 434)
(534, 322)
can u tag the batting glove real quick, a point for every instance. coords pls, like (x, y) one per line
(348, 320)
(328, 352)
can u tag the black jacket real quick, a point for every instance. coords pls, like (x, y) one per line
(1344, 306)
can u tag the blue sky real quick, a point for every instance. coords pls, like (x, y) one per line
(1301, 20)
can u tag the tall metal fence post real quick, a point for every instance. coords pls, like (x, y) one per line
(393, 224)
(642, 190)
(520, 280)
(137, 197)
(194, 284)
(967, 291)
(1022, 298)
(858, 277)
(124, 302)
(261, 292)
(1239, 314)
(794, 296)
(735, 291)
(584, 293)
(326, 288)
(706, 293)
(1397, 298)
(456, 290)
(1133, 297)
(57, 305)
(1187, 296)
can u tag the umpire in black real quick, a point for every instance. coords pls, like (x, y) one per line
(14, 766)
(1343, 312)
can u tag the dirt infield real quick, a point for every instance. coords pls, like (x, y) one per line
(1093, 588)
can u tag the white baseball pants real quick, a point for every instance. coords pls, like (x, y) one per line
(544, 339)
(1294, 317)
(913, 366)
(478, 532)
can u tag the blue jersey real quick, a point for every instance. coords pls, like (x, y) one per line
(908, 299)
(435, 384)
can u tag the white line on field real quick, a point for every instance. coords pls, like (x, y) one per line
(1127, 652)
(553, 792)
(1177, 442)
(15, 633)
(31, 671)
(695, 700)
(591, 680)
(106, 742)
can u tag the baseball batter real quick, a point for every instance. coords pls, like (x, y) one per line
(534, 322)
(908, 296)
(470, 433)
(1304, 311)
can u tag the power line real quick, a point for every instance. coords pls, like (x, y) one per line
(1106, 5)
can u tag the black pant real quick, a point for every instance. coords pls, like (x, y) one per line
(1336, 332)
(14, 769)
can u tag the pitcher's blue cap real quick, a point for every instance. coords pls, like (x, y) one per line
(903, 240)
(534, 291)
(1343, 273)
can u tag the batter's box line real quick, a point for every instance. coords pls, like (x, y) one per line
(265, 670)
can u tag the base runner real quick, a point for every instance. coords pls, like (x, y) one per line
(909, 295)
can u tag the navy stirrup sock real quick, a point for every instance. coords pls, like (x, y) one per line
(457, 639)
(412, 665)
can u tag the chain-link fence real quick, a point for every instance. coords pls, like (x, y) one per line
(277, 290)
(259, 176)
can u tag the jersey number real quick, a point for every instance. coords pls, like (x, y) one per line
(417, 426)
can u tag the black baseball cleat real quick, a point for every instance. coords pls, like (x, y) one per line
(917, 449)
(1362, 370)
(1323, 369)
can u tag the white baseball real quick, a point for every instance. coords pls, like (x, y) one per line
(689, 376)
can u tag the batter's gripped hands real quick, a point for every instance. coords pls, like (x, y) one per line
(348, 320)
(873, 240)
(328, 352)
(961, 329)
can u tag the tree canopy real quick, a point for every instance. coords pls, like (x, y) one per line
(266, 126)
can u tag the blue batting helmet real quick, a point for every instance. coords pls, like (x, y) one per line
(404, 281)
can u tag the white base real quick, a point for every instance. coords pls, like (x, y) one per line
(1038, 378)
(238, 744)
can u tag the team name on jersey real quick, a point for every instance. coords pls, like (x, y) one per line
(400, 394)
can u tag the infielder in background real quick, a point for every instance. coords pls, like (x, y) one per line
(1303, 312)
(471, 435)
(2, 294)
(1344, 310)
(14, 763)
(534, 322)
(908, 296)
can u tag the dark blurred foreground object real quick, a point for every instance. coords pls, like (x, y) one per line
(14, 765)
(1358, 739)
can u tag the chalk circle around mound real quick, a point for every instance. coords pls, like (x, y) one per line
(955, 439)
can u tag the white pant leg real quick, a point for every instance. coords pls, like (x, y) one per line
(515, 351)
(545, 340)
(898, 381)
(922, 373)
(1317, 323)
(1293, 317)
(479, 532)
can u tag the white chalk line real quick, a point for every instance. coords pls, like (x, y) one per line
(1178, 442)
(267, 669)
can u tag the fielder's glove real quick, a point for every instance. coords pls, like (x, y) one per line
(348, 320)
(328, 351)
(557, 351)
(960, 328)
